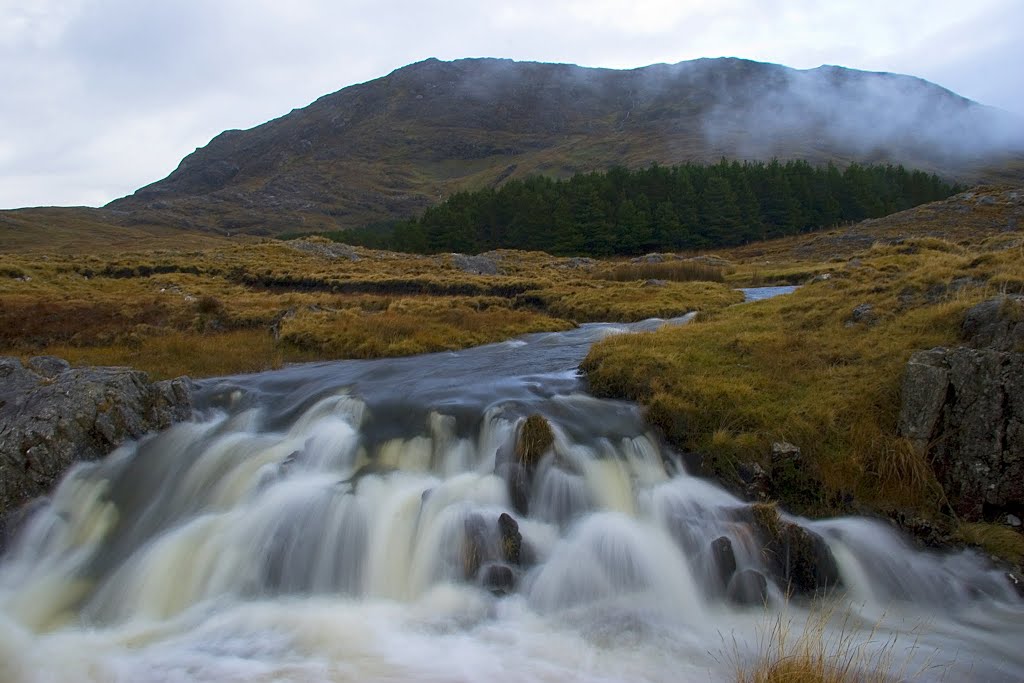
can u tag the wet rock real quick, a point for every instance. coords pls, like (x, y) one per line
(748, 588)
(517, 478)
(797, 558)
(52, 415)
(511, 539)
(498, 578)
(723, 560)
(474, 546)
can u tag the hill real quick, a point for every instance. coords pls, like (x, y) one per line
(390, 147)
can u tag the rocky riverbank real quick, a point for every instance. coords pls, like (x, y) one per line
(53, 415)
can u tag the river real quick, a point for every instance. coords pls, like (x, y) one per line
(312, 524)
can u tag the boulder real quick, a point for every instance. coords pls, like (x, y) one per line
(52, 415)
(996, 324)
(965, 408)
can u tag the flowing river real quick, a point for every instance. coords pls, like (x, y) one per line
(355, 521)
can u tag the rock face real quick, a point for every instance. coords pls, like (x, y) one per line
(52, 415)
(965, 407)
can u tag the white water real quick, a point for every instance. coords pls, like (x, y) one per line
(311, 526)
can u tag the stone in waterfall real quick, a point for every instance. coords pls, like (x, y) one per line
(511, 539)
(797, 558)
(498, 578)
(474, 546)
(723, 560)
(747, 587)
(516, 463)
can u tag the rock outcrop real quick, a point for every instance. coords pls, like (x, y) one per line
(53, 415)
(965, 407)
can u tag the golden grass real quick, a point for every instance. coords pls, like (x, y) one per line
(673, 270)
(995, 539)
(821, 652)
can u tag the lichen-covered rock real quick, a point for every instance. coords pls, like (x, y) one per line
(996, 324)
(52, 415)
(477, 265)
(966, 408)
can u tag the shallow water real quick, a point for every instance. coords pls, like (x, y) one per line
(312, 525)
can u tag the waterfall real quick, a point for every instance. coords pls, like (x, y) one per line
(377, 520)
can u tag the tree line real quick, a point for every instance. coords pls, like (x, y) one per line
(660, 208)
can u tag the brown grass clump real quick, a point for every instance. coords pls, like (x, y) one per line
(534, 439)
(995, 539)
(820, 654)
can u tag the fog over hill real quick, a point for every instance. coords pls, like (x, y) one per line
(388, 148)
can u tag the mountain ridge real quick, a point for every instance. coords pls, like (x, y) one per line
(389, 147)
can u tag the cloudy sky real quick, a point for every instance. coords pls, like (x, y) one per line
(100, 97)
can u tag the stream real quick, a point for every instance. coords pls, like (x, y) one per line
(350, 521)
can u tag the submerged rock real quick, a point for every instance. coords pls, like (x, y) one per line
(748, 587)
(498, 578)
(52, 415)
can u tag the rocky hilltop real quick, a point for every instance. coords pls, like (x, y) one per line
(388, 148)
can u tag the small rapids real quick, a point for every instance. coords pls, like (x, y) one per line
(378, 521)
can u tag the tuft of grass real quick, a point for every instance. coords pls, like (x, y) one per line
(534, 438)
(995, 539)
(826, 649)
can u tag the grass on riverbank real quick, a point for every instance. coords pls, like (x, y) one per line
(254, 306)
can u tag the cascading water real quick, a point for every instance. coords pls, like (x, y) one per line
(372, 521)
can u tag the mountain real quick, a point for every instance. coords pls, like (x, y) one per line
(390, 147)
